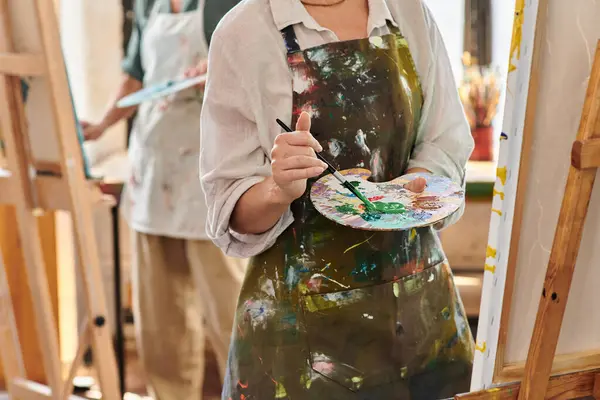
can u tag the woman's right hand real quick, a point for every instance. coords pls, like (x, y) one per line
(293, 160)
(91, 131)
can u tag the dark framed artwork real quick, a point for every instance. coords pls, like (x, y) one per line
(478, 30)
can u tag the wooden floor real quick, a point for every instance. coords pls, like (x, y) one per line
(135, 384)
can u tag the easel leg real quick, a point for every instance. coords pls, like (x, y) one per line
(82, 346)
(11, 354)
(120, 337)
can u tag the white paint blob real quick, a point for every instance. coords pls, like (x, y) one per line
(361, 141)
(335, 147)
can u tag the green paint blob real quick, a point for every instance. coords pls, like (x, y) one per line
(346, 209)
(280, 392)
(352, 187)
(368, 205)
(389, 208)
(371, 216)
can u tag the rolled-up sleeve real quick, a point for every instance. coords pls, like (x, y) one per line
(444, 142)
(232, 159)
(132, 62)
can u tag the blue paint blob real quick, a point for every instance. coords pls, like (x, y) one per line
(361, 273)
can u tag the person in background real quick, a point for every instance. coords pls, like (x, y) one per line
(180, 278)
(328, 312)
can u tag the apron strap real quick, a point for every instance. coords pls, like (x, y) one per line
(393, 28)
(290, 39)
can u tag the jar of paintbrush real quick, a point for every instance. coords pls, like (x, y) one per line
(480, 94)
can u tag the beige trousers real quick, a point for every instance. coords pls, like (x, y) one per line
(177, 284)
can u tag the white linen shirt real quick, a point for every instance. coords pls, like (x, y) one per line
(250, 85)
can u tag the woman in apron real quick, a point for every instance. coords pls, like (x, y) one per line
(184, 287)
(327, 312)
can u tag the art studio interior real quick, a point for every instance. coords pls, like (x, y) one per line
(299, 199)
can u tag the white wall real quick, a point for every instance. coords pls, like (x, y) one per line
(92, 44)
(449, 15)
(450, 18)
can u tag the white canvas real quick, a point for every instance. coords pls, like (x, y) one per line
(504, 195)
(570, 37)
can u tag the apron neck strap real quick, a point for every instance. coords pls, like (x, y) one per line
(393, 28)
(291, 41)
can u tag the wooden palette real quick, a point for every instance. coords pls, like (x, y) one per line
(159, 91)
(441, 198)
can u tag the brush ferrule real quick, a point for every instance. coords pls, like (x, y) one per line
(339, 177)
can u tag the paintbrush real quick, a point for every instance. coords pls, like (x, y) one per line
(337, 175)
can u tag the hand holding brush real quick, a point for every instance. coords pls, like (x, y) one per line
(369, 206)
(294, 161)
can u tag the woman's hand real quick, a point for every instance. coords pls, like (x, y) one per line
(91, 131)
(293, 160)
(200, 69)
(418, 184)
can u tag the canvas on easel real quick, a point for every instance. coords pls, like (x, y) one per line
(546, 375)
(47, 172)
(553, 49)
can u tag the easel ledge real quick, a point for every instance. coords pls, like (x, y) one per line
(562, 387)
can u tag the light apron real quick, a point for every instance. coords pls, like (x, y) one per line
(332, 313)
(164, 196)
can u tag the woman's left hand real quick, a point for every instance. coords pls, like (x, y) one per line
(418, 184)
(200, 69)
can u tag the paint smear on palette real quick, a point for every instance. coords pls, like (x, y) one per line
(398, 208)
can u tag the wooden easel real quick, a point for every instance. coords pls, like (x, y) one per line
(31, 194)
(585, 161)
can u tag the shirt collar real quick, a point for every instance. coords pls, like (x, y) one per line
(379, 15)
(291, 12)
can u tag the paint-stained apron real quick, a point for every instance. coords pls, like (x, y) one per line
(334, 313)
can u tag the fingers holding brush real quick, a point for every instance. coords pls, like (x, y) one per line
(294, 160)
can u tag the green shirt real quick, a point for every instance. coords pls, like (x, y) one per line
(214, 10)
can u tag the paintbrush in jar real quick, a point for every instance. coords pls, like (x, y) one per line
(370, 206)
